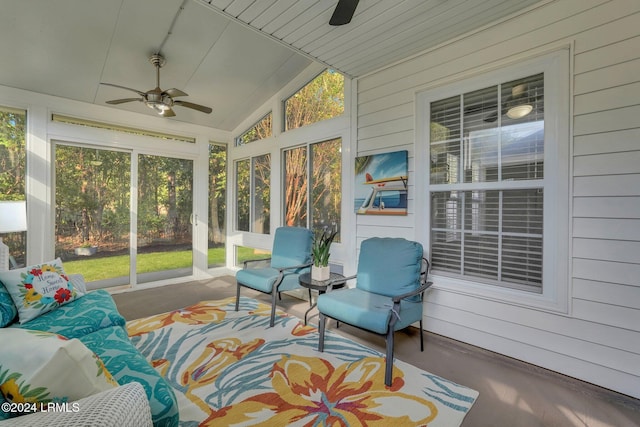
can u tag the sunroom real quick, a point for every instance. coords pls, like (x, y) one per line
(516, 122)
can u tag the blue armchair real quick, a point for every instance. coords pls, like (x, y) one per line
(290, 257)
(390, 284)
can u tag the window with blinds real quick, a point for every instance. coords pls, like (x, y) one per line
(487, 185)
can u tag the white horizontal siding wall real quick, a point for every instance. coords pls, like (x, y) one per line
(599, 339)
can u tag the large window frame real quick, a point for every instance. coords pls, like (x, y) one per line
(253, 194)
(311, 215)
(555, 184)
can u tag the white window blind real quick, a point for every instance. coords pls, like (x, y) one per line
(487, 184)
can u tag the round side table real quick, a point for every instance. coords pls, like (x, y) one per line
(336, 281)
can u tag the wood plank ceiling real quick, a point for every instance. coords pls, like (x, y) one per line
(232, 55)
(382, 31)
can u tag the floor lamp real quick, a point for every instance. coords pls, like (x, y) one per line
(13, 218)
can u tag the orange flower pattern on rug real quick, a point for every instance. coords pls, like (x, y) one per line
(215, 357)
(231, 368)
(310, 391)
(196, 314)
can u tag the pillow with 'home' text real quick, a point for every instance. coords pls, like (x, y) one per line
(38, 289)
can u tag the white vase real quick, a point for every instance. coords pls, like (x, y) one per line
(320, 273)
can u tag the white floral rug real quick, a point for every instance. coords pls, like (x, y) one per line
(230, 368)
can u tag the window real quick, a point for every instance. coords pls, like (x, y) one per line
(489, 227)
(260, 130)
(320, 99)
(253, 191)
(495, 157)
(217, 204)
(314, 170)
(13, 162)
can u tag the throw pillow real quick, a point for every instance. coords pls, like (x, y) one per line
(39, 368)
(8, 309)
(38, 289)
(77, 280)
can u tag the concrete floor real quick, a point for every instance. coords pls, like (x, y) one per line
(512, 393)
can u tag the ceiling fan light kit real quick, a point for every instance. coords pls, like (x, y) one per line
(519, 111)
(519, 106)
(161, 101)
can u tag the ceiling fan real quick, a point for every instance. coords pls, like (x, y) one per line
(343, 12)
(157, 99)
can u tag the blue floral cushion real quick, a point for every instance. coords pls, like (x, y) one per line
(8, 309)
(92, 312)
(4, 415)
(127, 365)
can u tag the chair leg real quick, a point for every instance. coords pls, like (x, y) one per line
(388, 372)
(237, 295)
(273, 307)
(421, 336)
(321, 323)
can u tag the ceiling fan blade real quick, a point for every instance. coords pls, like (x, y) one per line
(201, 108)
(168, 113)
(491, 117)
(343, 12)
(173, 92)
(122, 101)
(125, 88)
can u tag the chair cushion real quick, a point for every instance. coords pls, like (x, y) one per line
(127, 365)
(389, 266)
(92, 312)
(262, 279)
(367, 310)
(291, 246)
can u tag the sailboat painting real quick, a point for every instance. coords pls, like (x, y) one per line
(381, 184)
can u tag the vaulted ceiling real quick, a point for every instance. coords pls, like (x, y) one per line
(232, 55)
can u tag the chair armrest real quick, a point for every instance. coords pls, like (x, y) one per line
(124, 405)
(338, 280)
(294, 267)
(245, 263)
(417, 291)
(281, 271)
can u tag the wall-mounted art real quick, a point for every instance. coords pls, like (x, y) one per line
(381, 184)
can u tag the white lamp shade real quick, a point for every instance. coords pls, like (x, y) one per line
(13, 216)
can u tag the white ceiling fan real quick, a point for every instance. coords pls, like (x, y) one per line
(157, 99)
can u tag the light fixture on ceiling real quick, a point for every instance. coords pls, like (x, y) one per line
(519, 106)
(160, 101)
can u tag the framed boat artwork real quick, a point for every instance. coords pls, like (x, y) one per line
(381, 184)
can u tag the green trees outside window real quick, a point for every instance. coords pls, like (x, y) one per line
(321, 99)
(13, 155)
(318, 175)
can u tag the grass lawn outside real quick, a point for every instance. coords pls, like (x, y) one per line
(101, 268)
